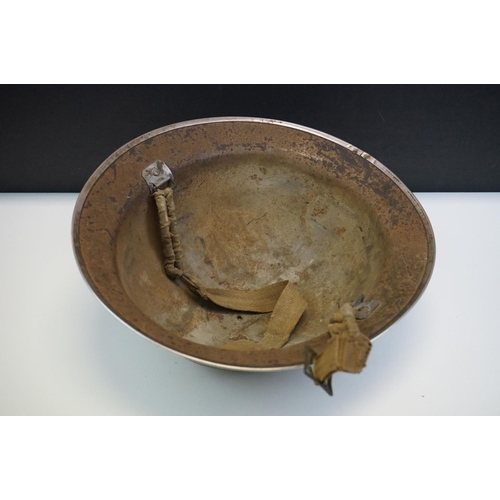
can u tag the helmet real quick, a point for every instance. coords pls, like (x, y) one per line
(259, 203)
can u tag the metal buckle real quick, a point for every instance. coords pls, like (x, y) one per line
(158, 175)
(309, 356)
(363, 309)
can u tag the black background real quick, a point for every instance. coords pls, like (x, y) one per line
(434, 137)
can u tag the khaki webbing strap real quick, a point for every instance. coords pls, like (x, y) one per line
(347, 348)
(287, 310)
(169, 237)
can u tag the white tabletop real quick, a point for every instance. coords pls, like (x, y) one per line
(62, 353)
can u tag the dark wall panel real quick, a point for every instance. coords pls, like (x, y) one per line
(435, 138)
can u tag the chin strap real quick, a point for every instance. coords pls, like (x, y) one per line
(346, 350)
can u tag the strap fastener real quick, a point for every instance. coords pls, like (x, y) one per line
(158, 176)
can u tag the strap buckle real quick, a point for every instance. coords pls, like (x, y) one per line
(309, 356)
(363, 309)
